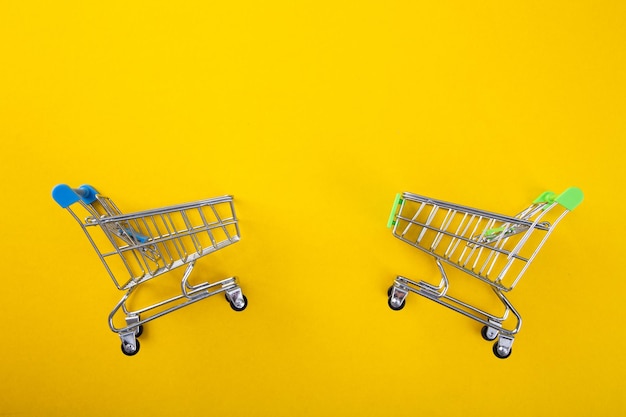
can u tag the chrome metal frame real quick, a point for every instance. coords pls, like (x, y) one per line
(137, 247)
(493, 248)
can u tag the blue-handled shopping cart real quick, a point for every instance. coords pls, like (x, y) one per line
(138, 247)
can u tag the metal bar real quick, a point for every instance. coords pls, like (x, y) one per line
(463, 307)
(225, 284)
(419, 211)
(169, 209)
(539, 246)
(158, 231)
(431, 216)
(217, 216)
(190, 233)
(207, 226)
(505, 252)
(444, 227)
(448, 254)
(465, 209)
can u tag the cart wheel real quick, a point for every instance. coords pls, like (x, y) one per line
(485, 336)
(139, 331)
(241, 308)
(128, 350)
(389, 290)
(500, 355)
(395, 307)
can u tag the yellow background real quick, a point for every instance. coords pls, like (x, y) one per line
(313, 114)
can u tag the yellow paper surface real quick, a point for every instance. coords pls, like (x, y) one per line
(313, 115)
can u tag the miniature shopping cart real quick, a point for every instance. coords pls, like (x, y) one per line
(137, 247)
(494, 248)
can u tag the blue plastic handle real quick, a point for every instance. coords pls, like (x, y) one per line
(137, 236)
(65, 195)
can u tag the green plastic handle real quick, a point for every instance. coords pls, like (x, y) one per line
(494, 231)
(396, 202)
(546, 197)
(570, 198)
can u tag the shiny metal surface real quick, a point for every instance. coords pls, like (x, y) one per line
(494, 248)
(137, 247)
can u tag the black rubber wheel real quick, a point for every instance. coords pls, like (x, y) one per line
(139, 330)
(245, 304)
(126, 351)
(389, 291)
(396, 308)
(483, 333)
(497, 353)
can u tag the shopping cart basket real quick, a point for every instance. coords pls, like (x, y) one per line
(494, 248)
(135, 248)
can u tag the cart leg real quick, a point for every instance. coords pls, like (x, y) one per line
(503, 347)
(490, 333)
(133, 319)
(237, 300)
(130, 344)
(397, 296)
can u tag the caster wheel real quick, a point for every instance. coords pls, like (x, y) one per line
(485, 335)
(394, 306)
(389, 290)
(128, 350)
(239, 308)
(139, 330)
(500, 355)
